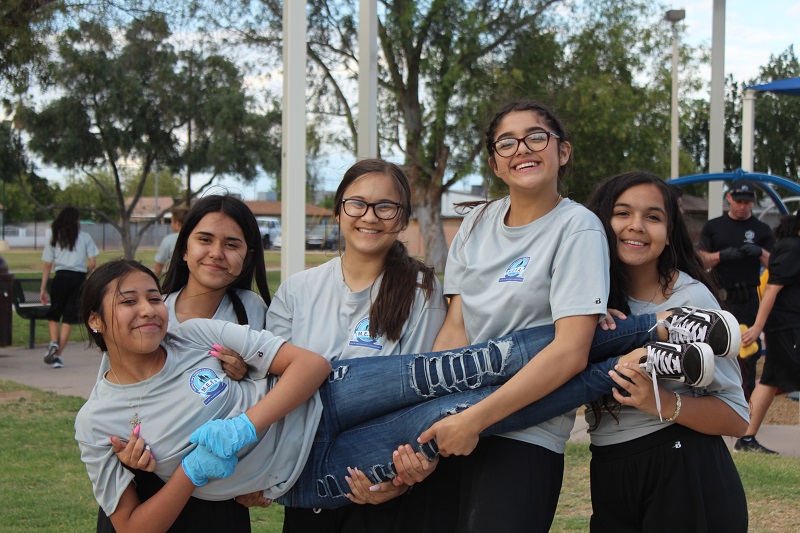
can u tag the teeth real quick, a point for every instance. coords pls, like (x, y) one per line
(529, 164)
(635, 243)
(371, 231)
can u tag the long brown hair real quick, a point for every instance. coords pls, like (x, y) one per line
(65, 229)
(402, 274)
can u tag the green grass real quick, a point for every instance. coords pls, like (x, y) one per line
(28, 264)
(44, 486)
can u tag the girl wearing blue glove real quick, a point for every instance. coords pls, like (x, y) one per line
(274, 430)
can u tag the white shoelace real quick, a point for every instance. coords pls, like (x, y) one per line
(661, 358)
(684, 329)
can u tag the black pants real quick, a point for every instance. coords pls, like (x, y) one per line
(743, 304)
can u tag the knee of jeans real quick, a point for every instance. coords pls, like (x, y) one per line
(458, 370)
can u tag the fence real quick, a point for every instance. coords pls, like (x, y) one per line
(36, 234)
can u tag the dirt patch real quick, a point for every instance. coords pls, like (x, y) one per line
(14, 396)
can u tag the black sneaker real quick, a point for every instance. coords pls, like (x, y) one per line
(752, 445)
(718, 329)
(50, 356)
(692, 364)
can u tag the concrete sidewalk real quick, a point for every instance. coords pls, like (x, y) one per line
(80, 373)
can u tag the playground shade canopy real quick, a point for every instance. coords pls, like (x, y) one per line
(788, 86)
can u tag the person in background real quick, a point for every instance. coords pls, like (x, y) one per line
(779, 318)
(164, 253)
(736, 245)
(72, 253)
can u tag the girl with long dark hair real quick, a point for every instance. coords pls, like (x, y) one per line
(72, 253)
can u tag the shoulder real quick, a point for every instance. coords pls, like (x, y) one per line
(689, 291)
(249, 297)
(574, 217)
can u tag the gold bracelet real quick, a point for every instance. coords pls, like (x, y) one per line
(677, 408)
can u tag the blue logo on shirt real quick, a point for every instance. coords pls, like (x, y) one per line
(206, 384)
(361, 336)
(515, 270)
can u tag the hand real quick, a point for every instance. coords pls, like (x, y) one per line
(412, 467)
(640, 387)
(453, 435)
(731, 254)
(751, 335)
(232, 363)
(608, 322)
(201, 465)
(751, 250)
(134, 453)
(43, 297)
(254, 499)
(362, 490)
(224, 438)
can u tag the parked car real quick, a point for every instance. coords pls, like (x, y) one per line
(323, 237)
(270, 228)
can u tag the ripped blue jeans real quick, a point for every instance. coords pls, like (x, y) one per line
(374, 404)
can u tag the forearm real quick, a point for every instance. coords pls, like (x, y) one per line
(704, 414)
(91, 265)
(766, 305)
(709, 259)
(556, 364)
(45, 275)
(156, 514)
(299, 380)
(764, 258)
(453, 333)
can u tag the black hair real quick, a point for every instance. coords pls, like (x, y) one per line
(97, 286)
(401, 272)
(65, 228)
(253, 267)
(678, 255)
(788, 226)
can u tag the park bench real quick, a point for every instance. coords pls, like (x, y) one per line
(27, 303)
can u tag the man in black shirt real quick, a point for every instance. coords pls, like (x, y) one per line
(736, 245)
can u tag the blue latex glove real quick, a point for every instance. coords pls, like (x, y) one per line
(201, 464)
(224, 438)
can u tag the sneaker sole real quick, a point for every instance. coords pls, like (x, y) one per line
(734, 334)
(707, 368)
(50, 356)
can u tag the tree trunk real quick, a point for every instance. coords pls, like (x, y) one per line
(427, 200)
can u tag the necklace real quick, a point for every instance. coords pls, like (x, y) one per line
(558, 200)
(135, 420)
(648, 304)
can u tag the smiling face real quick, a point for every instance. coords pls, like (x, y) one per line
(640, 223)
(215, 253)
(368, 234)
(134, 317)
(527, 171)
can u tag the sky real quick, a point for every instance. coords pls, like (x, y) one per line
(754, 31)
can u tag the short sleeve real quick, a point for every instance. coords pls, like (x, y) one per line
(784, 263)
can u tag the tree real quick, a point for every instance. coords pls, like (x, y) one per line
(433, 55)
(777, 117)
(138, 102)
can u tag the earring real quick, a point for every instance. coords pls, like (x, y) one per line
(94, 331)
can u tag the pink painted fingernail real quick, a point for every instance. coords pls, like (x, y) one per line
(136, 430)
(375, 488)
(213, 353)
(217, 346)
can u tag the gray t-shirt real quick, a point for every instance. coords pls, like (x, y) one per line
(75, 259)
(190, 390)
(165, 249)
(511, 278)
(727, 384)
(253, 304)
(316, 309)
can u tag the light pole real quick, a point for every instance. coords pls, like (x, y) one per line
(674, 16)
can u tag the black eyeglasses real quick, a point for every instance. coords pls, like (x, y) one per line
(536, 142)
(359, 208)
